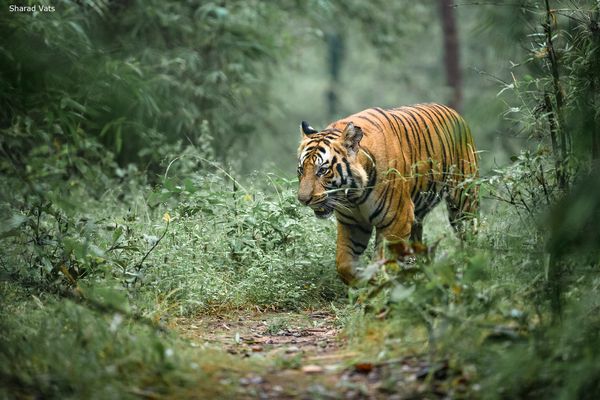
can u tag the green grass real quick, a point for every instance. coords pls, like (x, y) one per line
(227, 249)
(59, 349)
(482, 308)
(83, 304)
(88, 282)
(221, 248)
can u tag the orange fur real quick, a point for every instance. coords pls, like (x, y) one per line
(386, 169)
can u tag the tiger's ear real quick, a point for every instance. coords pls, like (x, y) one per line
(306, 129)
(352, 136)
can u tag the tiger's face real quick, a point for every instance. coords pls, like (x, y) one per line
(328, 169)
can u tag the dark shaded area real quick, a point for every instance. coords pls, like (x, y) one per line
(451, 53)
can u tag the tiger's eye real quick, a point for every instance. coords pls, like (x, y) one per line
(322, 171)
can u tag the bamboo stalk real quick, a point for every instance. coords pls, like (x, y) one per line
(561, 133)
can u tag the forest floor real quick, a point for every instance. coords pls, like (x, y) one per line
(308, 357)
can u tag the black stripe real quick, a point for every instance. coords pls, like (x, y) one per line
(428, 129)
(356, 226)
(370, 121)
(409, 142)
(380, 204)
(394, 217)
(372, 174)
(414, 163)
(455, 129)
(429, 151)
(454, 132)
(380, 111)
(428, 148)
(389, 205)
(350, 176)
(338, 168)
(449, 133)
(390, 222)
(415, 133)
(446, 158)
(361, 246)
(376, 116)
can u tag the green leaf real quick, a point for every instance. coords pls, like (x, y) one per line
(118, 139)
(114, 298)
(10, 226)
(69, 102)
(477, 269)
(117, 234)
(156, 198)
(172, 186)
(189, 185)
(401, 292)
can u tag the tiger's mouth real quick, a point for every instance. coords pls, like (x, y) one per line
(323, 211)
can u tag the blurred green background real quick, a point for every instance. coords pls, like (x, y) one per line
(239, 76)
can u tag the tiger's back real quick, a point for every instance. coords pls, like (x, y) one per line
(394, 166)
(427, 147)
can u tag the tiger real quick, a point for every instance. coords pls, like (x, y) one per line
(385, 170)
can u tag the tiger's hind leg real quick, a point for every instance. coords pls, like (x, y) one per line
(463, 207)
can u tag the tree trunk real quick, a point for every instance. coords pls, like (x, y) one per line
(335, 53)
(451, 52)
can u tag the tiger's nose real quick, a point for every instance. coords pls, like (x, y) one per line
(305, 198)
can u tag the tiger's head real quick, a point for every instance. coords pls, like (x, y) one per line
(329, 172)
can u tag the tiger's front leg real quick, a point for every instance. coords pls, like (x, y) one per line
(352, 241)
(400, 228)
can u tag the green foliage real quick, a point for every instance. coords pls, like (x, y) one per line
(204, 244)
(555, 87)
(514, 309)
(560, 362)
(139, 76)
(171, 67)
(486, 311)
(572, 221)
(58, 349)
(117, 215)
(233, 247)
(219, 246)
(528, 184)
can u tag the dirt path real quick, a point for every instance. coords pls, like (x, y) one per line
(307, 358)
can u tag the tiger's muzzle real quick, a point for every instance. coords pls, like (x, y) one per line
(319, 205)
(322, 211)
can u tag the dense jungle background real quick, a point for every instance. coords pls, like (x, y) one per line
(152, 246)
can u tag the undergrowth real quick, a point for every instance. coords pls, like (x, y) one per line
(91, 283)
(481, 315)
(204, 245)
(54, 348)
(105, 241)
